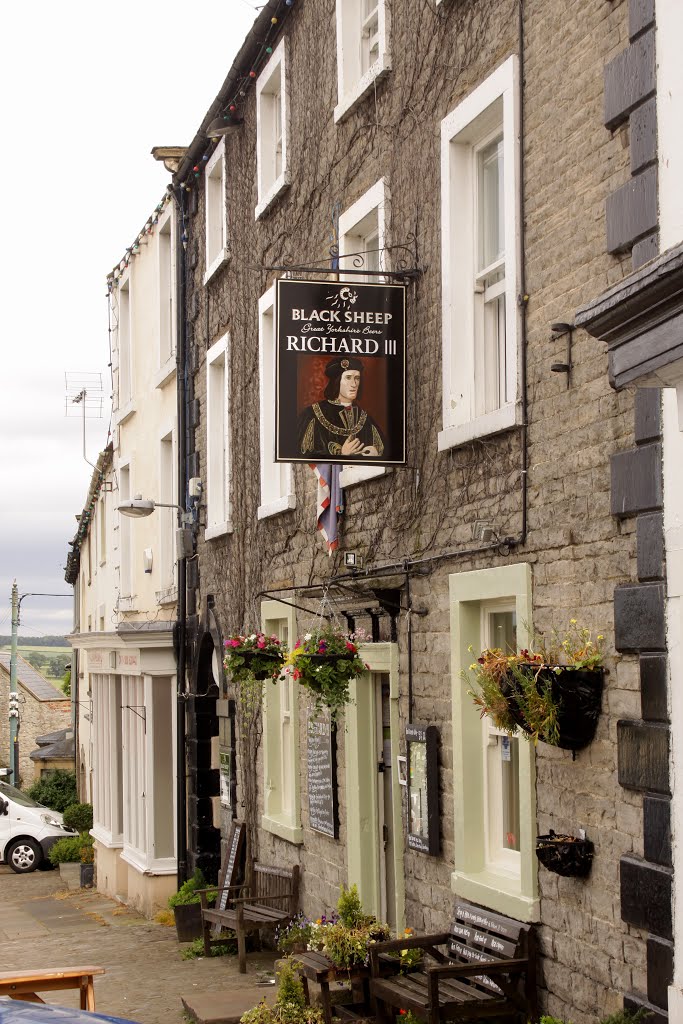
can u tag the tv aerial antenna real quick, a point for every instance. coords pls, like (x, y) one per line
(84, 397)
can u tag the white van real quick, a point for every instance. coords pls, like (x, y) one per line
(27, 830)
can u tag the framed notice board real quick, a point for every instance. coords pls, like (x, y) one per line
(321, 762)
(423, 788)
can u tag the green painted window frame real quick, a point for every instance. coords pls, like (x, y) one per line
(280, 817)
(516, 896)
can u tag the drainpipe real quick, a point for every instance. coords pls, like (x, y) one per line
(181, 624)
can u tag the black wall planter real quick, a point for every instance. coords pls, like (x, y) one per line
(578, 694)
(565, 855)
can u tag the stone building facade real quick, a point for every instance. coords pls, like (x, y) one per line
(42, 709)
(543, 503)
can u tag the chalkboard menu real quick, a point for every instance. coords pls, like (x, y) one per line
(322, 775)
(423, 788)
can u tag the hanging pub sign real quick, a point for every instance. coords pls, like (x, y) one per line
(341, 373)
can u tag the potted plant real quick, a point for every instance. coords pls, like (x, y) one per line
(290, 1004)
(186, 907)
(345, 941)
(75, 856)
(295, 936)
(552, 692)
(251, 660)
(325, 661)
(571, 856)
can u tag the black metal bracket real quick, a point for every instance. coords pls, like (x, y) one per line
(407, 268)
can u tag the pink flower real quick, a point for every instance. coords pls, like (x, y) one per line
(232, 643)
(350, 647)
(297, 674)
(260, 644)
(322, 647)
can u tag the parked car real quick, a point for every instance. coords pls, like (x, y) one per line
(27, 830)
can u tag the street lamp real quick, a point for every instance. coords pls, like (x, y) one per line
(138, 507)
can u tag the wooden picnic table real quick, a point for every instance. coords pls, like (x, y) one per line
(25, 985)
(314, 966)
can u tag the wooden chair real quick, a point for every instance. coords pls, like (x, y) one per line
(274, 901)
(488, 969)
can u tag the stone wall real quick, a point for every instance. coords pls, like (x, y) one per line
(578, 550)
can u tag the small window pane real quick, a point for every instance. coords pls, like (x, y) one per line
(491, 204)
(509, 768)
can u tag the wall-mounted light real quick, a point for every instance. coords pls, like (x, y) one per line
(224, 125)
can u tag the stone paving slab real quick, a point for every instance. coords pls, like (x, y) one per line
(225, 1007)
(43, 925)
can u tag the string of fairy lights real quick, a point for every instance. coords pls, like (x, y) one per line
(232, 112)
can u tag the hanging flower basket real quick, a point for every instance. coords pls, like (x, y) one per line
(576, 697)
(553, 694)
(254, 657)
(565, 855)
(325, 661)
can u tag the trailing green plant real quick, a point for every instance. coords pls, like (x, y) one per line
(187, 893)
(325, 661)
(56, 790)
(79, 817)
(195, 950)
(290, 1005)
(512, 686)
(73, 850)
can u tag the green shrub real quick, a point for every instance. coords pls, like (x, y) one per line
(56, 790)
(73, 850)
(349, 907)
(78, 817)
(187, 893)
(195, 950)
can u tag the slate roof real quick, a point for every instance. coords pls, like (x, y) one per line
(31, 679)
(54, 745)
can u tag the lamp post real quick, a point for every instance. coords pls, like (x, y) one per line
(139, 508)
(13, 711)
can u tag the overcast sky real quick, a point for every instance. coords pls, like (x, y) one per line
(87, 90)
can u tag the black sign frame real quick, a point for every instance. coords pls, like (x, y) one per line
(324, 329)
(320, 725)
(427, 737)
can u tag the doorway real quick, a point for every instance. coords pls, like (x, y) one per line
(373, 811)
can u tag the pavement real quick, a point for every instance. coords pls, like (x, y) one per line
(42, 925)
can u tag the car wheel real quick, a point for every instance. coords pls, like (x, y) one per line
(24, 855)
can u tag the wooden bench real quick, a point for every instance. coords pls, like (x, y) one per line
(274, 901)
(25, 985)
(488, 969)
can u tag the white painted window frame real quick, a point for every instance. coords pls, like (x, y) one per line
(216, 211)
(107, 759)
(353, 85)
(495, 102)
(377, 200)
(126, 601)
(273, 81)
(286, 498)
(166, 284)
(125, 406)
(218, 456)
(503, 889)
(166, 524)
(281, 740)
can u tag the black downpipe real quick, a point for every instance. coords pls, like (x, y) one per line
(523, 297)
(181, 626)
